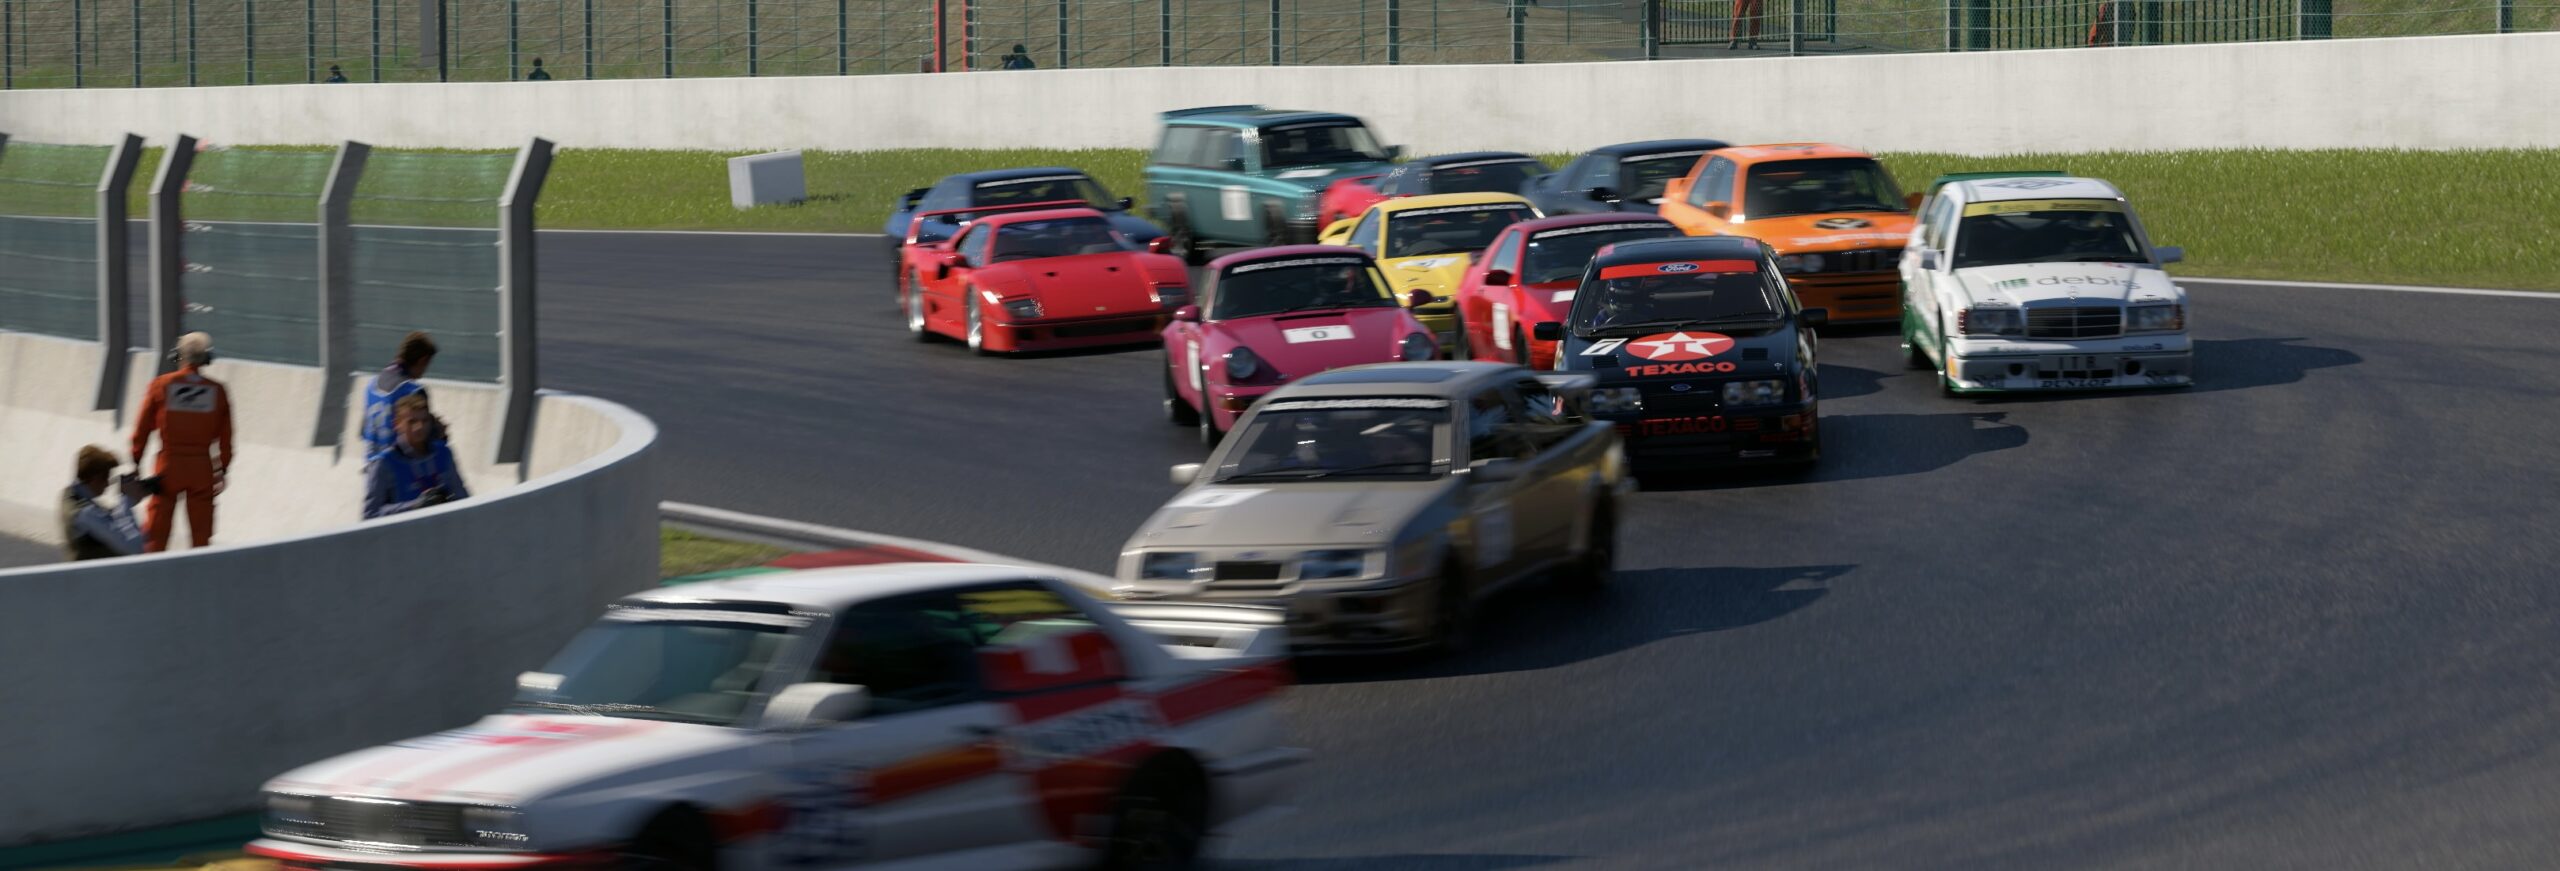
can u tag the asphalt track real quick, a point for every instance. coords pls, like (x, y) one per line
(2299, 616)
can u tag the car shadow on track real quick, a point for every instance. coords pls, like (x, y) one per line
(1411, 861)
(1857, 446)
(1539, 626)
(1842, 382)
(2221, 364)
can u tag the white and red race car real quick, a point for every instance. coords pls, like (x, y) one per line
(964, 716)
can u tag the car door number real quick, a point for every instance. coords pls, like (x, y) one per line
(1234, 203)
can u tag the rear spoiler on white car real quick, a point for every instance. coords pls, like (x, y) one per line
(1201, 630)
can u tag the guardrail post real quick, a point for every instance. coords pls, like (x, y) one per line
(1275, 32)
(517, 296)
(337, 292)
(115, 272)
(1519, 32)
(1395, 32)
(168, 249)
(1164, 33)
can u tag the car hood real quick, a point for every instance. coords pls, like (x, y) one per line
(509, 758)
(1085, 285)
(1300, 344)
(1315, 178)
(2022, 284)
(1838, 231)
(1438, 273)
(1356, 513)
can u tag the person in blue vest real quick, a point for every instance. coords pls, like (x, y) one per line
(397, 381)
(418, 471)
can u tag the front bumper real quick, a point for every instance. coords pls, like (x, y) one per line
(1994, 365)
(1064, 334)
(1852, 298)
(1743, 437)
(299, 856)
(1333, 618)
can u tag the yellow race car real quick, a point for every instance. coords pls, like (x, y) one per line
(1427, 243)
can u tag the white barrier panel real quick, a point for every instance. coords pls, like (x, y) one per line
(156, 689)
(2487, 91)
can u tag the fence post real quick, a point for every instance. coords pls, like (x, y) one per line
(1062, 34)
(115, 278)
(514, 63)
(191, 43)
(1275, 32)
(844, 25)
(1395, 31)
(373, 54)
(1519, 31)
(1652, 34)
(2313, 20)
(136, 21)
(667, 29)
(1977, 25)
(1164, 33)
(9, 46)
(1795, 28)
(337, 293)
(310, 41)
(968, 35)
(2506, 15)
(587, 38)
(517, 295)
(79, 46)
(249, 40)
(168, 248)
(752, 47)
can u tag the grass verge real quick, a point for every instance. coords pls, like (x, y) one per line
(683, 552)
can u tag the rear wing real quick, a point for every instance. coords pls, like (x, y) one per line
(1201, 630)
(915, 222)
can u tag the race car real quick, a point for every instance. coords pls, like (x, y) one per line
(2040, 281)
(1625, 177)
(1046, 277)
(1250, 175)
(1529, 277)
(1465, 173)
(1270, 315)
(1426, 242)
(1833, 214)
(953, 195)
(1379, 504)
(976, 715)
(1703, 356)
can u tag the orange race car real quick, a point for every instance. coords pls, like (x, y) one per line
(1833, 214)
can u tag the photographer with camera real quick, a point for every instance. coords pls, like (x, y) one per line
(418, 471)
(93, 531)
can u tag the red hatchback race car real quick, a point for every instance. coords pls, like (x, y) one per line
(1528, 278)
(1036, 277)
(1270, 315)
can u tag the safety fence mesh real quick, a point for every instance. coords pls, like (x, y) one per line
(150, 43)
(49, 238)
(252, 251)
(425, 256)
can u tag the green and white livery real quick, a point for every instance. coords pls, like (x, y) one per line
(2027, 281)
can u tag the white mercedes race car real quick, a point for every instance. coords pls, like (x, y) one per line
(960, 716)
(2040, 281)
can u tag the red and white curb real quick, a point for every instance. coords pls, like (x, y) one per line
(826, 545)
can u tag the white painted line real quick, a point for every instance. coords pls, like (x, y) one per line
(815, 534)
(2398, 288)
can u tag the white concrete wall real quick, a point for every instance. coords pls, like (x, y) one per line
(2487, 91)
(147, 690)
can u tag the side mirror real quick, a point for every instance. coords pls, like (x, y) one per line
(1127, 203)
(1912, 200)
(1159, 244)
(2169, 254)
(1185, 473)
(1420, 298)
(804, 706)
(1547, 331)
(1495, 471)
(1603, 194)
(1814, 317)
(1497, 276)
(1928, 260)
(1188, 314)
(1722, 210)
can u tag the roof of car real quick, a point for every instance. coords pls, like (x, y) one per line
(1000, 219)
(834, 589)
(1466, 156)
(2038, 188)
(1278, 252)
(1440, 378)
(1790, 151)
(1560, 222)
(1250, 116)
(1679, 248)
(1650, 146)
(1020, 172)
(1426, 201)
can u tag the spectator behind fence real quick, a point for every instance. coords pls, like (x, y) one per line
(336, 77)
(397, 381)
(1020, 59)
(192, 413)
(539, 74)
(418, 471)
(94, 531)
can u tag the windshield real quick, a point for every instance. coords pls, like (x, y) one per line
(700, 666)
(2046, 231)
(1450, 229)
(1304, 283)
(1819, 186)
(1563, 255)
(1504, 176)
(1062, 237)
(1644, 175)
(1317, 143)
(1328, 438)
(1043, 189)
(1674, 293)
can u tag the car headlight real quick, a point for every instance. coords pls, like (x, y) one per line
(1990, 321)
(1326, 565)
(1616, 400)
(290, 814)
(1417, 347)
(1169, 566)
(1023, 308)
(1766, 391)
(1799, 263)
(2155, 318)
(1242, 364)
(495, 827)
(1169, 295)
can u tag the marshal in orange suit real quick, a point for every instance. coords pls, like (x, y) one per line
(192, 413)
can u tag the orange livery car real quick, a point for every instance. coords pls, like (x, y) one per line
(1832, 214)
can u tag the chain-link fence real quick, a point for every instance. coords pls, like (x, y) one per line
(49, 238)
(425, 255)
(139, 43)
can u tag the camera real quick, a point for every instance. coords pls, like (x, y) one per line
(150, 486)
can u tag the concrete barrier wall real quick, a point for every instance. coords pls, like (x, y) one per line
(2490, 91)
(148, 690)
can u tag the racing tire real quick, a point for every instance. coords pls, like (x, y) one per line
(1519, 345)
(1460, 348)
(1599, 562)
(1946, 386)
(677, 839)
(1452, 610)
(977, 326)
(1182, 241)
(1275, 228)
(1177, 411)
(1912, 356)
(1160, 819)
(911, 301)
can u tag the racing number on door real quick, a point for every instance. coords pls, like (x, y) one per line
(1234, 203)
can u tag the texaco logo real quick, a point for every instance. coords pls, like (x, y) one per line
(1680, 346)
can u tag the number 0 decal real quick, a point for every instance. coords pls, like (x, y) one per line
(1302, 335)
